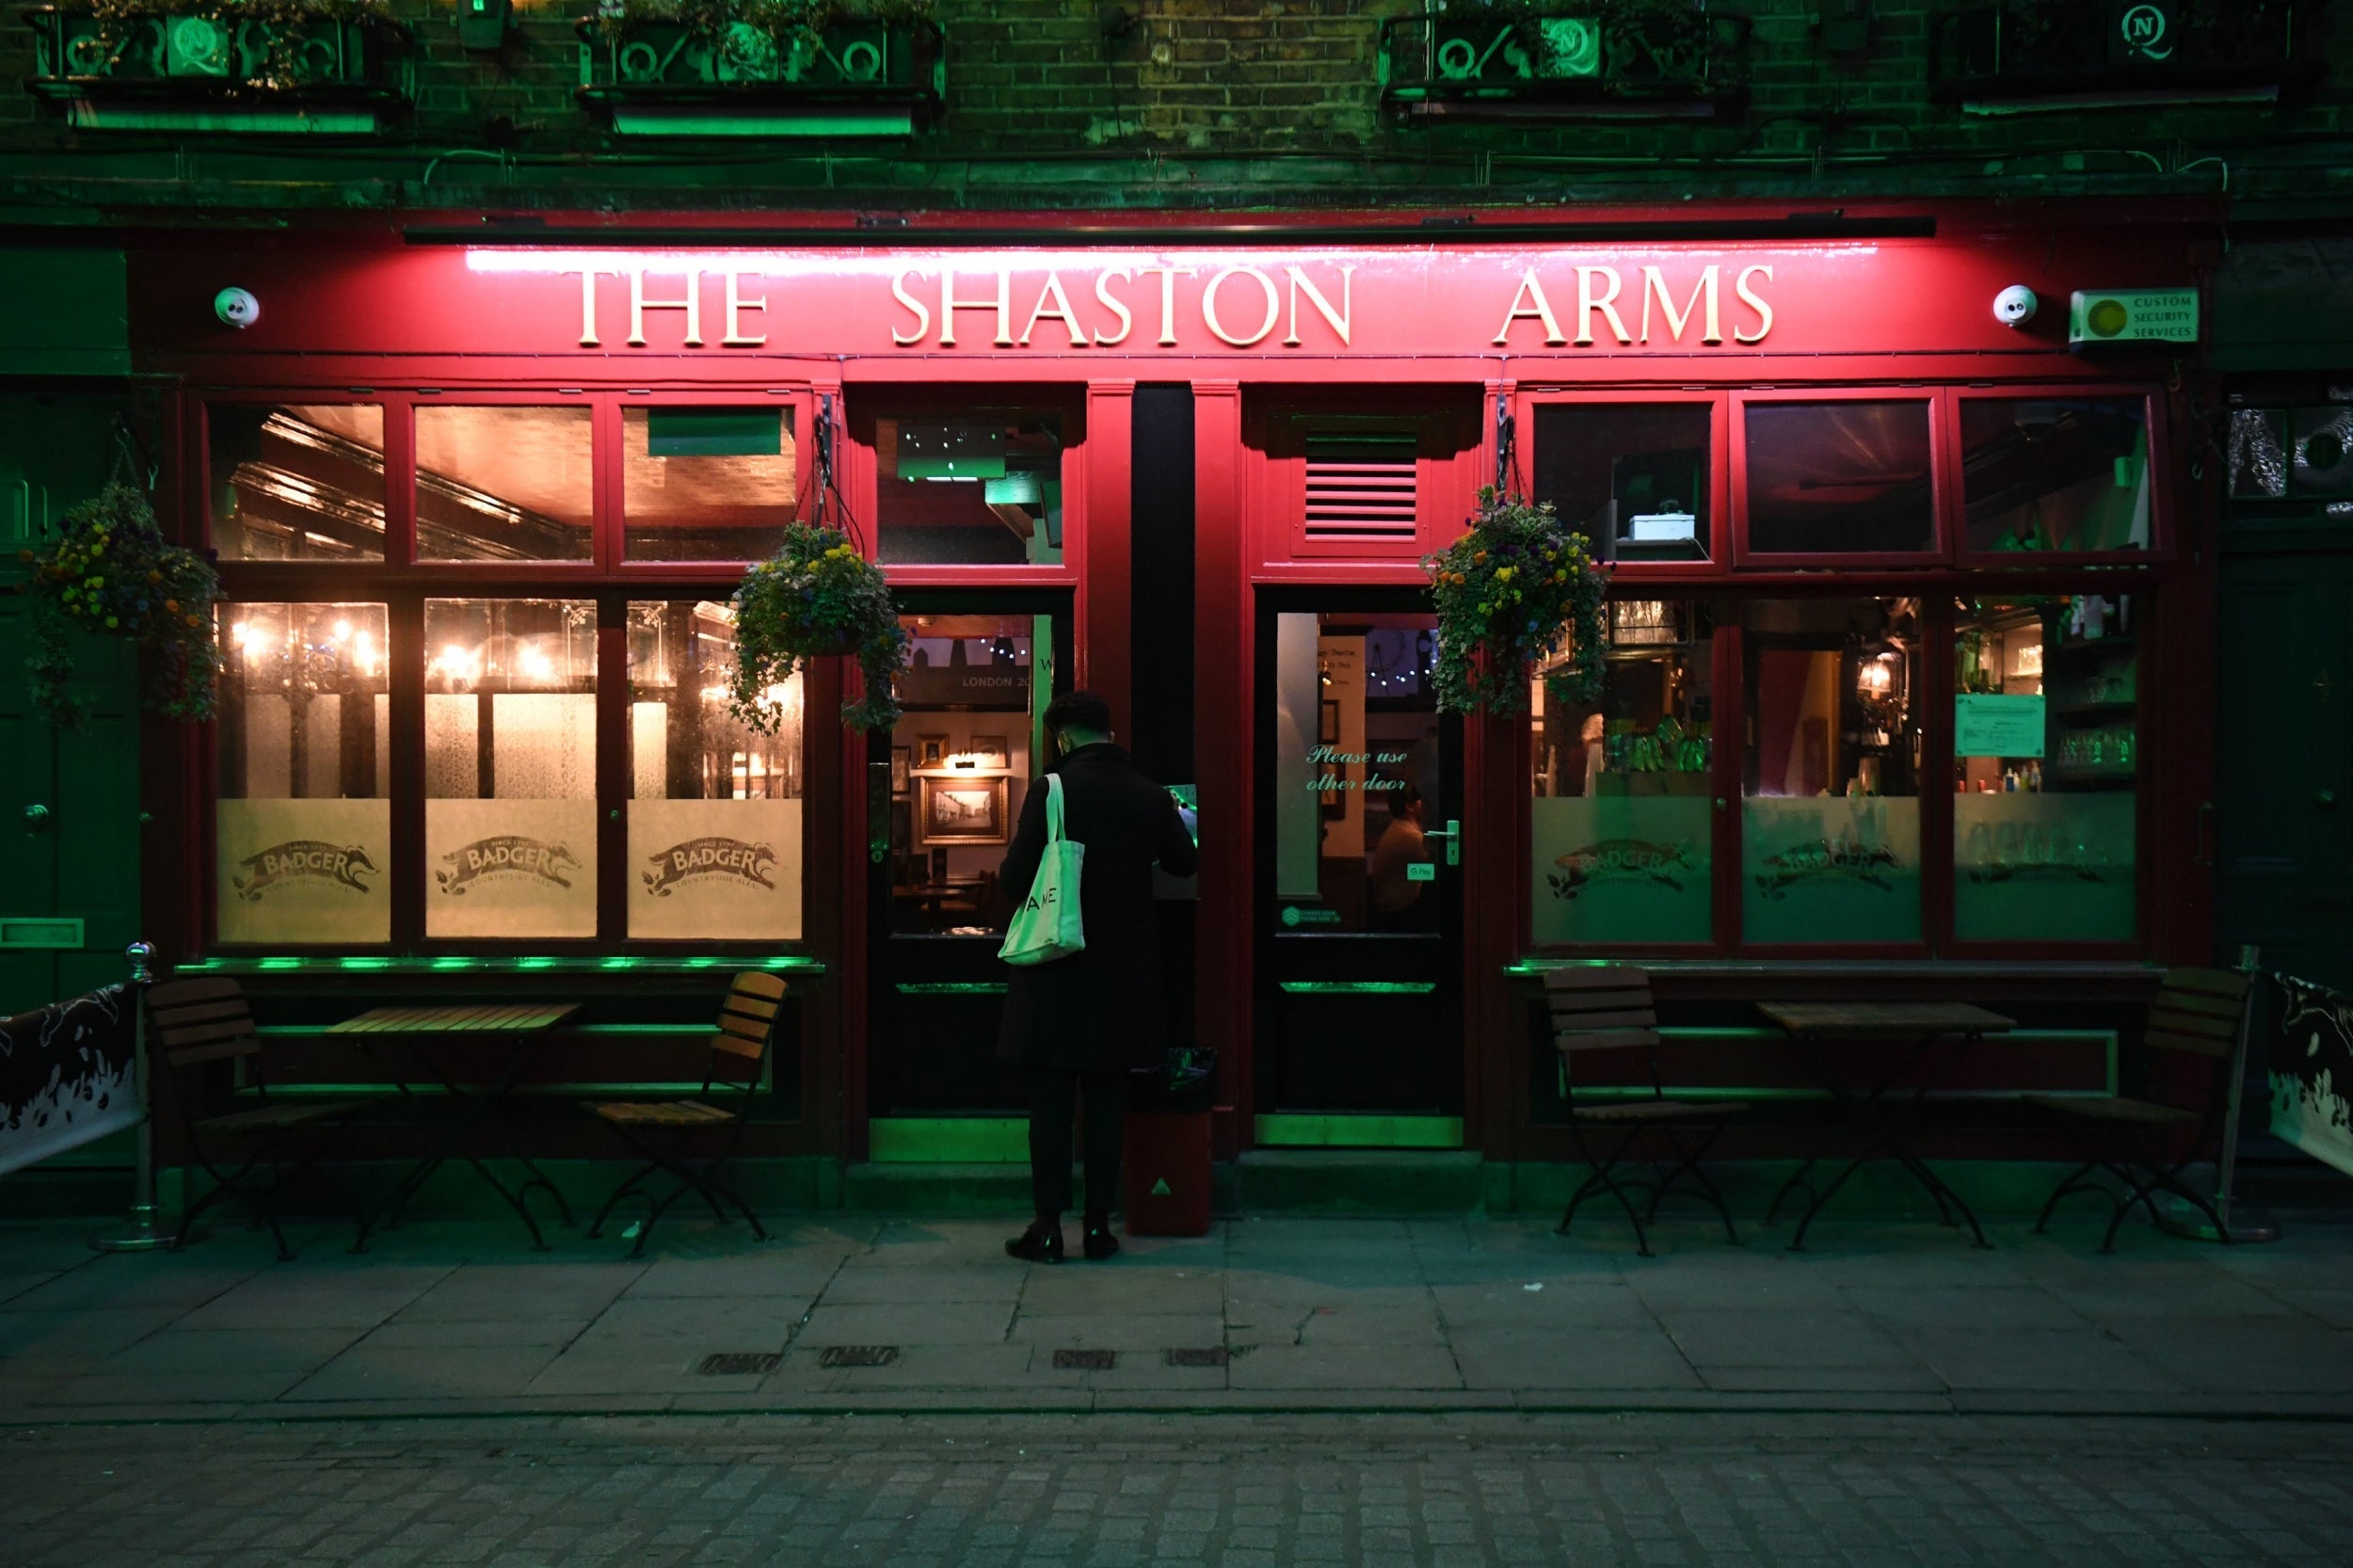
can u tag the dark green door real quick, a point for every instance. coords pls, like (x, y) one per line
(70, 803)
(2284, 802)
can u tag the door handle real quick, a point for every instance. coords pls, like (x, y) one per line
(1453, 834)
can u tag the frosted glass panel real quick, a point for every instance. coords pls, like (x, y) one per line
(303, 872)
(453, 739)
(1623, 867)
(1833, 869)
(544, 745)
(2043, 867)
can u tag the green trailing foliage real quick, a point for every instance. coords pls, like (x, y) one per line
(286, 62)
(1514, 590)
(110, 572)
(816, 597)
(779, 19)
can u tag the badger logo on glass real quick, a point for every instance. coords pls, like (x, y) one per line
(505, 855)
(314, 858)
(698, 858)
(1619, 859)
(1847, 860)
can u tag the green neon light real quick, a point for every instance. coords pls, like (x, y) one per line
(453, 963)
(1360, 987)
(535, 963)
(948, 1141)
(282, 962)
(951, 988)
(619, 962)
(448, 963)
(365, 963)
(1361, 1132)
(630, 122)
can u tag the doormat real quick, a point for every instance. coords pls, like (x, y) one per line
(1206, 1355)
(739, 1363)
(858, 1355)
(1085, 1361)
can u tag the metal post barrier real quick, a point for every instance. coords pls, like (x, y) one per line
(142, 1233)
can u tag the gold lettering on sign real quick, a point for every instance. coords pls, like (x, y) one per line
(639, 305)
(1338, 322)
(1536, 307)
(588, 277)
(1764, 312)
(1588, 302)
(1113, 303)
(1655, 287)
(922, 313)
(1001, 302)
(737, 305)
(1168, 276)
(1266, 286)
(1053, 291)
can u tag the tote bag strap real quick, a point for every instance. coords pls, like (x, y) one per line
(1053, 809)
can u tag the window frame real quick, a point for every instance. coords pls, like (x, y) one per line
(1717, 400)
(859, 473)
(403, 583)
(1942, 500)
(2162, 547)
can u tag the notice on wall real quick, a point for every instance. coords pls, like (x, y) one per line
(715, 869)
(1990, 725)
(511, 868)
(303, 871)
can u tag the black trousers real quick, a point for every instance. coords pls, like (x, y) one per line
(1055, 1099)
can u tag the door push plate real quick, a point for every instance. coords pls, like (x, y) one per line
(1420, 870)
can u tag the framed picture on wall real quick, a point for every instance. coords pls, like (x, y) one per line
(902, 767)
(964, 810)
(989, 752)
(931, 751)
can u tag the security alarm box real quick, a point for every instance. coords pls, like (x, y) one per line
(2132, 315)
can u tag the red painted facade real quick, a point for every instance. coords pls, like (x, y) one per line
(1476, 335)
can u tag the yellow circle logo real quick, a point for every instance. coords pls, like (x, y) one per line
(2107, 318)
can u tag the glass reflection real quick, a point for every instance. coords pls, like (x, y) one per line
(297, 482)
(503, 484)
(962, 760)
(1843, 478)
(1634, 478)
(981, 490)
(2055, 473)
(706, 484)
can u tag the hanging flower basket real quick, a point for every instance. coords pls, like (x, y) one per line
(816, 597)
(110, 573)
(1514, 590)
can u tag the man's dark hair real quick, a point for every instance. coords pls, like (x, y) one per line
(1078, 711)
(1403, 796)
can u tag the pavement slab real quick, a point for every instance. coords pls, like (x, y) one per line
(1323, 1313)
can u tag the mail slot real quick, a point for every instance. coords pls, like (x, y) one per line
(39, 932)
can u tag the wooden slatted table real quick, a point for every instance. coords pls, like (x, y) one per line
(520, 1028)
(1873, 1114)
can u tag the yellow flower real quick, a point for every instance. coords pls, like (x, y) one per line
(1504, 574)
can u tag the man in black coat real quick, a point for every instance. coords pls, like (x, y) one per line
(1079, 1024)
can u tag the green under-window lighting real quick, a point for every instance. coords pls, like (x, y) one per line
(950, 987)
(1360, 987)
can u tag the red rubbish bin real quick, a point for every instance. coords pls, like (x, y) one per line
(1167, 1173)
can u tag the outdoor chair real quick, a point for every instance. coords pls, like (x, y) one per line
(665, 1133)
(2197, 1012)
(1603, 1010)
(194, 1024)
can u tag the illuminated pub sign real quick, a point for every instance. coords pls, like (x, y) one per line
(1696, 302)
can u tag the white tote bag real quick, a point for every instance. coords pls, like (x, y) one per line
(1048, 926)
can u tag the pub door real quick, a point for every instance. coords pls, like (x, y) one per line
(1358, 1011)
(944, 790)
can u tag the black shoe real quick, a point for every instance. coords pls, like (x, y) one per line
(1035, 1245)
(1100, 1243)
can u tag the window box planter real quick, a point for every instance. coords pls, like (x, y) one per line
(1613, 60)
(850, 78)
(2071, 54)
(179, 69)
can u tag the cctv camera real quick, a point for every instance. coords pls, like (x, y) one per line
(237, 308)
(2015, 305)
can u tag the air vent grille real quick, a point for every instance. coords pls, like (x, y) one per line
(1361, 487)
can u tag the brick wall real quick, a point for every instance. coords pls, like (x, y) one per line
(1203, 101)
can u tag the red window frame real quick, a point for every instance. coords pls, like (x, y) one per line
(2161, 505)
(1718, 401)
(1941, 474)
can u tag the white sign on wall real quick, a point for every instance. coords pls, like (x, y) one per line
(715, 869)
(303, 871)
(511, 868)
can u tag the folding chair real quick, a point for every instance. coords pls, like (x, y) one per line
(1608, 1008)
(664, 1132)
(2197, 1013)
(194, 1023)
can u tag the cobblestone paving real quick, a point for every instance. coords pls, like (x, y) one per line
(1096, 1491)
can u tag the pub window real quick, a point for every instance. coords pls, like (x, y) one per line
(714, 811)
(297, 482)
(1829, 826)
(1621, 824)
(981, 489)
(510, 811)
(706, 484)
(302, 822)
(2055, 473)
(2046, 760)
(1851, 477)
(961, 761)
(1636, 478)
(504, 484)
